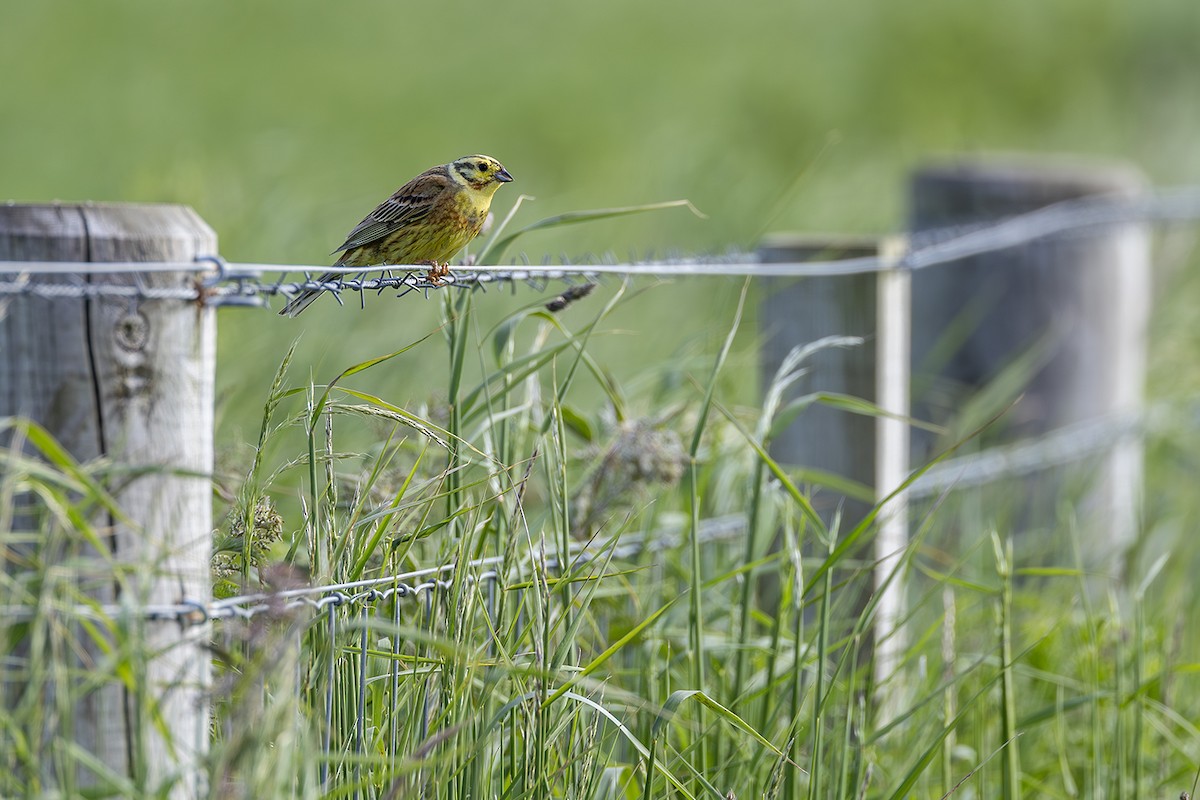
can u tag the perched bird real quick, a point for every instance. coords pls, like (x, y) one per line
(426, 221)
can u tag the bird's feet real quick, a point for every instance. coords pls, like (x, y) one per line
(437, 273)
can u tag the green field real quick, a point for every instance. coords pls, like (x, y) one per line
(282, 124)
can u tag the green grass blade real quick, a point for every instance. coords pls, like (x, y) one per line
(496, 248)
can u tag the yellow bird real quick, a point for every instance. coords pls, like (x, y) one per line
(426, 221)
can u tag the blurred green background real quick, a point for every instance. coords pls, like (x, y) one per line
(284, 123)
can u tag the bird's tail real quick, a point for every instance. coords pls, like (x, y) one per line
(305, 298)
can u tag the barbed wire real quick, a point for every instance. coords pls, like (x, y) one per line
(411, 584)
(1071, 443)
(1074, 443)
(243, 283)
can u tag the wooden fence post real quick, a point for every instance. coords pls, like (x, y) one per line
(798, 311)
(1071, 308)
(872, 452)
(131, 381)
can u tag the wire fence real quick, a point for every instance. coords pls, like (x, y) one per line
(1071, 444)
(245, 284)
(412, 584)
(226, 283)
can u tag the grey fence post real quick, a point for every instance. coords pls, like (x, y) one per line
(871, 451)
(129, 381)
(1071, 310)
(799, 311)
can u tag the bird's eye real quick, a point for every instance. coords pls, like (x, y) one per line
(482, 167)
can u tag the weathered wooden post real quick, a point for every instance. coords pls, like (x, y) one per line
(798, 311)
(128, 380)
(870, 451)
(1072, 308)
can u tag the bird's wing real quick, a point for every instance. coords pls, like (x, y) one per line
(410, 203)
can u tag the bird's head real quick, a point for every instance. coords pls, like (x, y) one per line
(481, 173)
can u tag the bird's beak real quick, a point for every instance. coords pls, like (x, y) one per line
(503, 175)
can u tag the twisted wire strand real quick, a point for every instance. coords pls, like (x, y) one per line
(1071, 444)
(411, 584)
(244, 284)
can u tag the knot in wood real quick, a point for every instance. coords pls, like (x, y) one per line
(133, 332)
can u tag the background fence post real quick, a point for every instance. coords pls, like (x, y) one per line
(874, 306)
(1062, 319)
(799, 311)
(130, 381)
